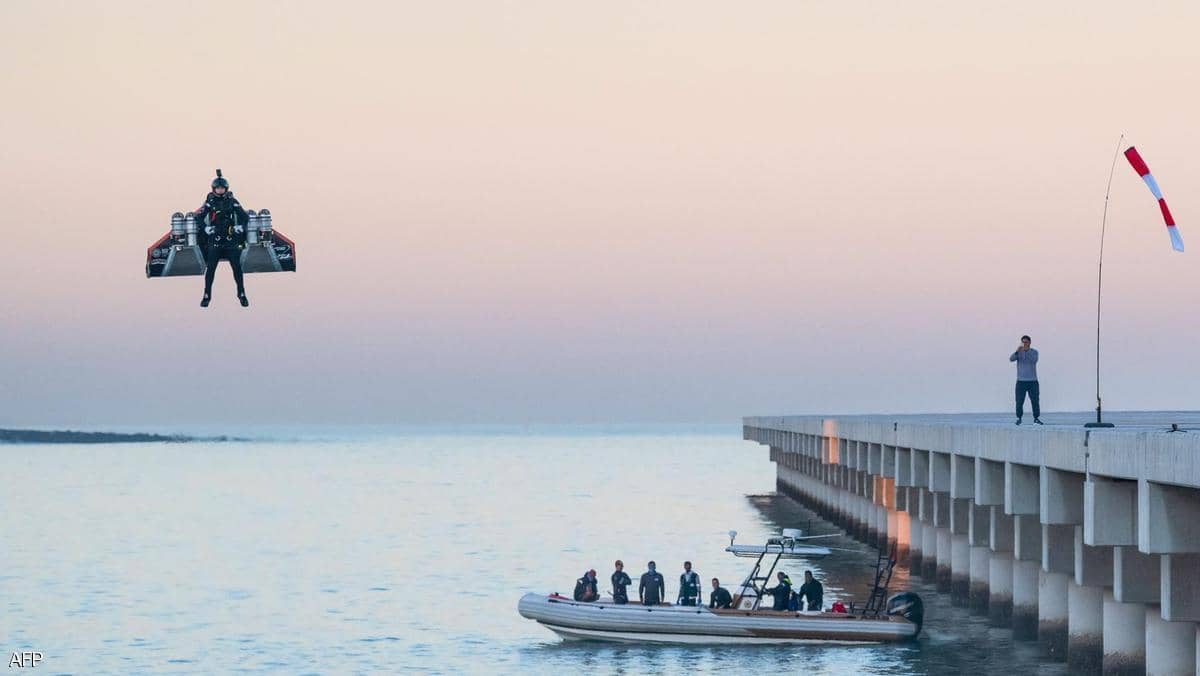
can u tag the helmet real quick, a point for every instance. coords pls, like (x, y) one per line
(220, 182)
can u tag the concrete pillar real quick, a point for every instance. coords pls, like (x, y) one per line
(1168, 519)
(1058, 549)
(989, 482)
(875, 458)
(1025, 599)
(1124, 637)
(1109, 512)
(939, 472)
(960, 549)
(962, 477)
(1060, 497)
(1180, 587)
(902, 536)
(929, 552)
(943, 560)
(1000, 589)
(919, 468)
(861, 524)
(842, 518)
(1093, 565)
(1001, 532)
(1135, 576)
(941, 521)
(1170, 646)
(1027, 538)
(979, 538)
(916, 543)
(1085, 628)
(904, 467)
(887, 527)
(1052, 614)
(980, 579)
(882, 534)
(1022, 493)
(960, 570)
(873, 512)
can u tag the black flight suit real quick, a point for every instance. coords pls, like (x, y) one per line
(223, 213)
(812, 592)
(720, 598)
(583, 586)
(619, 582)
(651, 588)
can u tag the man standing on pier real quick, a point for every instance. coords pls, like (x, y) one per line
(1027, 381)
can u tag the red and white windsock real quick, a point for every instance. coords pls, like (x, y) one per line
(1139, 165)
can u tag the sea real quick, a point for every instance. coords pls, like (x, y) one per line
(405, 550)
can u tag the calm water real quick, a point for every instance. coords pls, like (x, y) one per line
(403, 551)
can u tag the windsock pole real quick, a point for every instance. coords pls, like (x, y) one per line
(1099, 422)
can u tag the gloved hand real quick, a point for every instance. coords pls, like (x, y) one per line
(239, 229)
(209, 230)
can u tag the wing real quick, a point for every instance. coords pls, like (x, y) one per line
(180, 252)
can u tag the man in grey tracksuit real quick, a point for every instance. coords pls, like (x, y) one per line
(1027, 381)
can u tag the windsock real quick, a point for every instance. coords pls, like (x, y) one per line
(1139, 165)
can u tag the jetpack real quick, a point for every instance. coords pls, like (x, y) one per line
(181, 251)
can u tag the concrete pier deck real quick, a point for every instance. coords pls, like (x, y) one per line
(1087, 540)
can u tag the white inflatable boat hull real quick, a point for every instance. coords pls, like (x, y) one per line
(634, 623)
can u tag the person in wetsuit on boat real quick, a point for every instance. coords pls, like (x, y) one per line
(223, 221)
(719, 598)
(652, 586)
(782, 592)
(812, 591)
(620, 580)
(689, 586)
(585, 587)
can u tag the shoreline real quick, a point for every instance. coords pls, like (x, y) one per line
(15, 436)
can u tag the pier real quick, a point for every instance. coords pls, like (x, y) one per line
(1086, 540)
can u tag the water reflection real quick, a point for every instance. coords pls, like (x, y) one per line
(408, 553)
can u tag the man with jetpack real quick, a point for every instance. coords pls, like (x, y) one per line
(223, 221)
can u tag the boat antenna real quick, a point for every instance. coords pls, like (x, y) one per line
(732, 535)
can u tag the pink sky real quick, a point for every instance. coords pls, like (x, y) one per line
(549, 211)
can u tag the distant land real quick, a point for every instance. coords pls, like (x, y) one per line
(73, 437)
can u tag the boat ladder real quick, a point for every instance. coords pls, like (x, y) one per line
(883, 577)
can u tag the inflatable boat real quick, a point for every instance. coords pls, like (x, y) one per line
(898, 619)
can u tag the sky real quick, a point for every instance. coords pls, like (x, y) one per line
(547, 211)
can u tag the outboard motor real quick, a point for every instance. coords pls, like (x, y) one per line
(909, 606)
